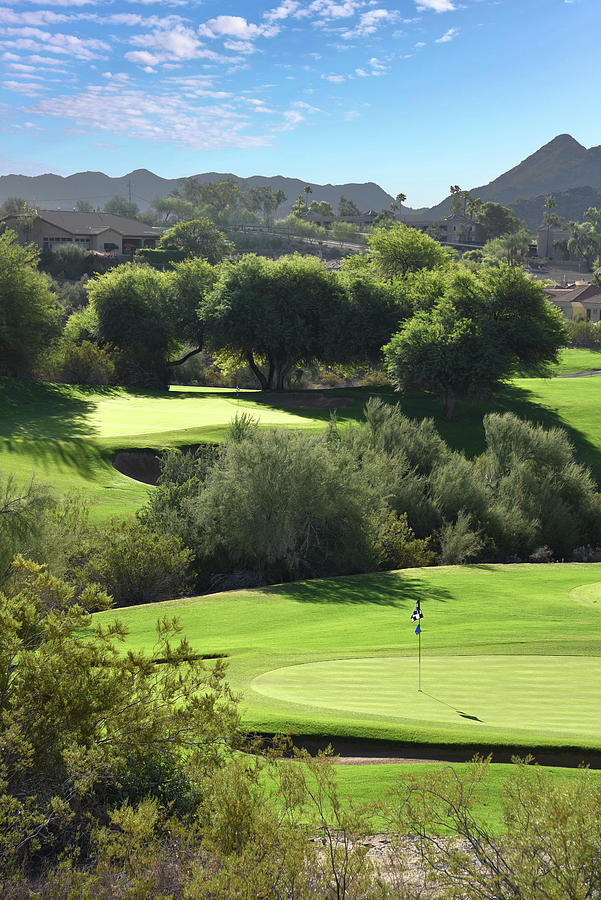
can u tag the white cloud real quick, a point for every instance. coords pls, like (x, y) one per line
(23, 87)
(369, 22)
(164, 117)
(438, 6)
(292, 119)
(65, 44)
(335, 79)
(283, 11)
(448, 36)
(236, 27)
(37, 17)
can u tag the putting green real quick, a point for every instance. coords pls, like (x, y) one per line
(559, 696)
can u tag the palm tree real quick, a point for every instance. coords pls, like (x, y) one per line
(308, 190)
(548, 218)
(400, 199)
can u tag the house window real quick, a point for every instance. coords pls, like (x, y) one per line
(588, 315)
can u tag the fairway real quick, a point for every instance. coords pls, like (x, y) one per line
(67, 435)
(560, 696)
(511, 654)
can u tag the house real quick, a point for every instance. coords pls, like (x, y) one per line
(458, 229)
(579, 302)
(552, 242)
(99, 231)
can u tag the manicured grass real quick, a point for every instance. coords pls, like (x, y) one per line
(576, 360)
(382, 782)
(67, 435)
(510, 654)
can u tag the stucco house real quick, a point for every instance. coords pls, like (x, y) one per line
(578, 302)
(99, 231)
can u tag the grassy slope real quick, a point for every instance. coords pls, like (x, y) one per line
(483, 616)
(372, 783)
(67, 435)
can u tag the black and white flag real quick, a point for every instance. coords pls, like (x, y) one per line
(417, 613)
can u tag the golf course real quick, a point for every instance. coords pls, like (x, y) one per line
(68, 435)
(511, 654)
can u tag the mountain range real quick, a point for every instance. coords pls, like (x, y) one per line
(563, 167)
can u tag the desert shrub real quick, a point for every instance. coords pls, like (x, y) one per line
(539, 494)
(78, 717)
(23, 509)
(459, 541)
(82, 325)
(66, 262)
(396, 547)
(73, 295)
(281, 504)
(133, 564)
(79, 363)
(548, 848)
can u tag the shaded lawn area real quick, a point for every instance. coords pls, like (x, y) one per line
(67, 435)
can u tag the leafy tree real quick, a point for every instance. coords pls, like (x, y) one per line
(29, 309)
(83, 206)
(401, 249)
(347, 207)
(547, 848)
(299, 207)
(119, 206)
(512, 247)
(266, 200)
(192, 280)
(322, 207)
(223, 202)
(284, 312)
(477, 333)
(457, 199)
(495, 219)
(346, 232)
(133, 308)
(586, 236)
(173, 209)
(14, 206)
(197, 237)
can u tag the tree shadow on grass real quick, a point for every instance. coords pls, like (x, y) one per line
(380, 589)
(83, 456)
(37, 411)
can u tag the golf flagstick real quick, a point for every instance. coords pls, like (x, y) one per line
(416, 615)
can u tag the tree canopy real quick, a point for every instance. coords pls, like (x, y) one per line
(476, 333)
(197, 237)
(29, 309)
(283, 312)
(399, 249)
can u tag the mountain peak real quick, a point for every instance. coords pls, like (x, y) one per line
(563, 141)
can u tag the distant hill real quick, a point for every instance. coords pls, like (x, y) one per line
(571, 205)
(558, 167)
(58, 192)
(563, 167)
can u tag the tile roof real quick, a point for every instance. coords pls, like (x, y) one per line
(584, 293)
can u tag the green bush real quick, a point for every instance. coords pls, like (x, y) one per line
(159, 259)
(133, 563)
(82, 325)
(65, 262)
(79, 363)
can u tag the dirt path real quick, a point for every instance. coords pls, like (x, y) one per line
(581, 374)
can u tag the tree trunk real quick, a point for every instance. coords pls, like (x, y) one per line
(257, 372)
(270, 371)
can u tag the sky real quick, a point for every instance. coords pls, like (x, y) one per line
(412, 94)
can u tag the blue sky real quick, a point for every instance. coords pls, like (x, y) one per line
(412, 94)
